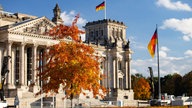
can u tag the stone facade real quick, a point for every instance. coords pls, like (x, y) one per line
(108, 37)
(22, 37)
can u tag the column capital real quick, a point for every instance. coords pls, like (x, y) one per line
(35, 45)
(115, 58)
(128, 59)
(23, 43)
(10, 42)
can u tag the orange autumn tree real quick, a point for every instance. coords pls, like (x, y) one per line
(71, 66)
(142, 89)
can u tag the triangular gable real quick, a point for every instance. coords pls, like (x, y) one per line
(36, 26)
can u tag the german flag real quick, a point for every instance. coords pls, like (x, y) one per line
(152, 44)
(100, 6)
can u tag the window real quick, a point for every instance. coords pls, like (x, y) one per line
(120, 83)
(96, 33)
(92, 37)
(17, 65)
(41, 52)
(101, 32)
(113, 32)
(29, 65)
(121, 34)
(119, 65)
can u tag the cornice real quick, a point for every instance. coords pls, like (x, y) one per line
(31, 35)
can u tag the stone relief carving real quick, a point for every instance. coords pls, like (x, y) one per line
(39, 28)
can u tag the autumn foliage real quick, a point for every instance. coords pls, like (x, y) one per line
(142, 89)
(71, 65)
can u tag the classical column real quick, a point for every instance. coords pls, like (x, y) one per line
(34, 63)
(13, 53)
(22, 64)
(129, 74)
(108, 70)
(117, 76)
(128, 69)
(114, 75)
(115, 72)
(126, 75)
(105, 72)
(25, 67)
(9, 45)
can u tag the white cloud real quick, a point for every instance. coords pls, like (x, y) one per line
(186, 38)
(164, 48)
(182, 25)
(135, 44)
(188, 53)
(168, 64)
(69, 17)
(162, 54)
(163, 51)
(141, 66)
(174, 5)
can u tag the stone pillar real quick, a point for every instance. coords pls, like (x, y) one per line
(34, 68)
(13, 53)
(126, 75)
(108, 69)
(25, 67)
(106, 72)
(129, 74)
(113, 79)
(117, 68)
(34, 63)
(9, 45)
(114, 74)
(37, 71)
(128, 67)
(22, 64)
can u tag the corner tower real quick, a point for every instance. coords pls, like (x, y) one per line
(105, 31)
(57, 13)
(108, 37)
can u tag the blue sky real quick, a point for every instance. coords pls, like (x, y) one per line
(173, 17)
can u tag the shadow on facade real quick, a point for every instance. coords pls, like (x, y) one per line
(47, 102)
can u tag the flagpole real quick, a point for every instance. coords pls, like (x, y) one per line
(159, 81)
(105, 9)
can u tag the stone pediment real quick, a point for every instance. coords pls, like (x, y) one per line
(38, 26)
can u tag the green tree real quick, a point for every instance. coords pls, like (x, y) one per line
(171, 84)
(187, 83)
(167, 85)
(177, 84)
